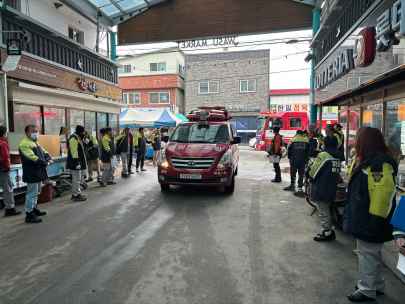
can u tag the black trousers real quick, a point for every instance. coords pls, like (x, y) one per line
(277, 169)
(301, 171)
(140, 158)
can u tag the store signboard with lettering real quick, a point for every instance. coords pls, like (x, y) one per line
(198, 43)
(289, 107)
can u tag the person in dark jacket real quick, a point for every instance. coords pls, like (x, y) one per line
(323, 175)
(6, 183)
(298, 151)
(157, 145)
(34, 160)
(107, 153)
(77, 161)
(140, 142)
(125, 147)
(370, 206)
(276, 150)
(341, 148)
(315, 141)
(94, 155)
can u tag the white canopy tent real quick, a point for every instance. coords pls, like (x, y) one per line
(151, 118)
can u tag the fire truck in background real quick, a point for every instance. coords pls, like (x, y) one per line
(291, 121)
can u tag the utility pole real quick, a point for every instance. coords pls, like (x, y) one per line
(316, 20)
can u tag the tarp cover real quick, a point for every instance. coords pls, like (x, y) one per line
(157, 118)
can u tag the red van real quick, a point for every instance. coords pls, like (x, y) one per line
(202, 151)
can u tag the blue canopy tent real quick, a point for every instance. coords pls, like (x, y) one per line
(238, 125)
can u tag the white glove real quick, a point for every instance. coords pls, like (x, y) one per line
(86, 141)
(78, 167)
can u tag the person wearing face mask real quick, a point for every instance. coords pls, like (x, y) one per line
(77, 161)
(34, 161)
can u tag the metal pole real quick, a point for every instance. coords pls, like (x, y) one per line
(113, 47)
(98, 32)
(316, 20)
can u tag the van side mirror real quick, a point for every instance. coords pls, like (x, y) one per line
(236, 140)
(165, 138)
(280, 126)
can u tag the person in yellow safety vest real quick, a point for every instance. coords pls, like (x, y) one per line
(341, 148)
(330, 131)
(107, 153)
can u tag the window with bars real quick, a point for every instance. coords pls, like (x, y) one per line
(208, 87)
(248, 85)
(132, 98)
(159, 98)
(157, 66)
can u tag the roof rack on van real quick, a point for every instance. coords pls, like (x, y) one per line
(209, 114)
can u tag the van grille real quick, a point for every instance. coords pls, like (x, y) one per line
(192, 163)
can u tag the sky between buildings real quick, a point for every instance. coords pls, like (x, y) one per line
(288, 70)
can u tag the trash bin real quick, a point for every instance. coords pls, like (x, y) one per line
(46, 194)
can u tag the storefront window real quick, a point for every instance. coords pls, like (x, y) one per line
(395, 135)
(113, 122)
(354, 125)
(26, 115)
(372, 116)
(90, 120)
(54, 119)
(76, 118)
(101, 121)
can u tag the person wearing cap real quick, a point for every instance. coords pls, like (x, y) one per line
(341, 148)
(125, 147)
(323, 175)
(157, 145)
(77, 161)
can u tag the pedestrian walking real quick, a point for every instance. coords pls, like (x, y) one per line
(34, 160)
(370, 206)
(298, 151)
(6, 183)
(108, 152)
(140, 142)
(94, 158)
(323, 175)
(77, 161)
(125, 147)
(157, 145)
(276, 151)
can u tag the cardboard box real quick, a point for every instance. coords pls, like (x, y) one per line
(50, 143)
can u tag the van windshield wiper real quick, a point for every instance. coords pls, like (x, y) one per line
(180, 141)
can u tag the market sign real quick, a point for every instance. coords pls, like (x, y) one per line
(289, 107)
(13, 47)
(340, 66)
(203, 42)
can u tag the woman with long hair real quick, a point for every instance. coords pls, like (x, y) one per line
(370, 206)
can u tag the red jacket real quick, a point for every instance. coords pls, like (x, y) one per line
(4, 156)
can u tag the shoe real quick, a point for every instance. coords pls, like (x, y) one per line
(143, 169)
(31, 218)
(89, 180)
(137, 170)
(328, 236)
(78, 198)
(289, 188)
(299, 193)
(11, 212)
(125, 175)
(79, 194)
(130, 172)
(103, 184)
(379, 293)
(111, 183)
(358, 296)
(154, 164)
(99, 179)
(38, 213)
(276, 180)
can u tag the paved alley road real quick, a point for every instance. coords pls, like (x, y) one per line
(131, 243)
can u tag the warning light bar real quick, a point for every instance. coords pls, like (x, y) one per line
(269, 112)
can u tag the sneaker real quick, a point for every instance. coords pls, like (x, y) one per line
(99, 179)
(137, 170)
(38, 213)
(79, 194)
(289, 188)
(325, 235)
(78, 198)
(130, 172)
(143, 169)
(89, 180)
(125, 175)
(31, 218)
(276, 180)
(11, 212)
(111, 183)
(154, 164)
(103, 184)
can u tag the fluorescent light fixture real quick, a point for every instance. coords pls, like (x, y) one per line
(323, 4)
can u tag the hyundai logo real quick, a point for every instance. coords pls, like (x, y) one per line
(191, 163)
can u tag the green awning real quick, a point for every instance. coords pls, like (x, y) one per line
(181, 116)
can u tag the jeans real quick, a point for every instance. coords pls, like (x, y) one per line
(301, 171)
(77, 177)
(156, 156)
(140, 158)
(31, 198)
(7, 185)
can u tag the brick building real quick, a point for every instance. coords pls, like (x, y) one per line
(154, 80)
(237, 80)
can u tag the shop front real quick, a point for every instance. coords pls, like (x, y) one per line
(363, 74)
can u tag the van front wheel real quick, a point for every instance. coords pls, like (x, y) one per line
(165, 187)
(231, 188)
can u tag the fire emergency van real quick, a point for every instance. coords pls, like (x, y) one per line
(202, 151)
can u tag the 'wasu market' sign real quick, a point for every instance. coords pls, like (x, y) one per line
(340, 66)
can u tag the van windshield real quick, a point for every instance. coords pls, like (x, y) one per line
(191, 134)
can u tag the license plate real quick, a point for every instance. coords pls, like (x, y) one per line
(190, 176)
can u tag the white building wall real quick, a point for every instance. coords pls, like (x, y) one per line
(289, 99)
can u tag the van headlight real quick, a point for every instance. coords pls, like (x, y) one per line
(225, 161)
(163, 161)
